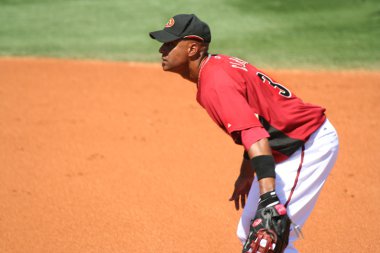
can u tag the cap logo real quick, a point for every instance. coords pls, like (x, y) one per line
(170, 23)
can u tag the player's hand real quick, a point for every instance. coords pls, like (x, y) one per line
(242, 187)
(269, 230)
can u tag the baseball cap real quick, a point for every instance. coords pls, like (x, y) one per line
(183, 26)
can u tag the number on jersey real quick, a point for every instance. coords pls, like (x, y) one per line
(283, 90)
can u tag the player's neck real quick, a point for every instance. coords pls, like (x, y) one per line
(195, 67)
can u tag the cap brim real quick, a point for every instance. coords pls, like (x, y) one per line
(163, 36)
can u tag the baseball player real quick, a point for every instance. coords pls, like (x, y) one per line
(289, 146)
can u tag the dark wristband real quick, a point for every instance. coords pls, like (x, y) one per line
(264, 166)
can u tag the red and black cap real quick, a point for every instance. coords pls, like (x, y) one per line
(183, 26)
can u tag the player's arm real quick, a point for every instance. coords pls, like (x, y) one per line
(270, 227)
(257, 159)
(262, 162)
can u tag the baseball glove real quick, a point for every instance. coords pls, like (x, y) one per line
(269, 230)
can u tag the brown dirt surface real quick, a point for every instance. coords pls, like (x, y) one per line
(119, 157)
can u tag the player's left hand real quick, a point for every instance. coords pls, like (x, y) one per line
(242, 187)
(269, 230)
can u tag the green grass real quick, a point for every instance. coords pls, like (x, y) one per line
(278, 33)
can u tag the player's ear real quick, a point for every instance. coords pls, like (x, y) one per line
(193, 49)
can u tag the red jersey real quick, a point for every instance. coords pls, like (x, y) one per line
(238, 96)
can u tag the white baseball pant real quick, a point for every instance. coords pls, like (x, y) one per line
(299, 180)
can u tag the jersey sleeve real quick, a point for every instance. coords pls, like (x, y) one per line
(226, 103)
(252, 135)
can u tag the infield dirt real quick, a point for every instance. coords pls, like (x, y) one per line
(119, 157)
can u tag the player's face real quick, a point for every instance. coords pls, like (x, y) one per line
(174, 56)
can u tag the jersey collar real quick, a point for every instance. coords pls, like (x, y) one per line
(203, 63)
